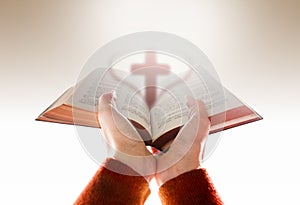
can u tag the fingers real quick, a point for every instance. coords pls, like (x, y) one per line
(196, 107)
(112, 121)
(187, 136)
(105, 110)
(196, 129)
(105, 101)
(190, 102)
(123, 141)
(202, 109)
(191, 135)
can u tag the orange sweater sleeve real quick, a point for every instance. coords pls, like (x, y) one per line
(194, 187)
(108, 187)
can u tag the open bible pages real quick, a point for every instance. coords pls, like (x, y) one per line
(167, 114)
(89, 89)
(170, 110)
(65, 98)
(78, 105)
(216, 98)
(224, 109)
(130, 102)
(207, 89)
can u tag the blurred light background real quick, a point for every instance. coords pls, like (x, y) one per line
(253, 44)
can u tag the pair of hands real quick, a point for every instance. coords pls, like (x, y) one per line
(126, 145)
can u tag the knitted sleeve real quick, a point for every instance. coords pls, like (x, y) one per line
(194, 187)
(108, 187)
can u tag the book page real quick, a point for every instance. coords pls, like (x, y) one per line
(170, 110)
(61, 100)
(89, 89)
(132, 105)
(216, 98)
(167, 114)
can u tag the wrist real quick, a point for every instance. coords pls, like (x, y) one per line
(143, 165)
(170, 174)
(165, 176)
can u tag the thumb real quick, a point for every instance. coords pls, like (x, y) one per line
(105, 115)
(105, 101)
(111, 120)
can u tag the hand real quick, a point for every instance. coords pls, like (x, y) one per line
(183, 154)
(124, 142)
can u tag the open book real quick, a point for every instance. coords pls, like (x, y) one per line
(156, 124)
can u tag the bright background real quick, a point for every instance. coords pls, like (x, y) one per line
(253, 44)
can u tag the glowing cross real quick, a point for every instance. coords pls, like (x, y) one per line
(150, 69)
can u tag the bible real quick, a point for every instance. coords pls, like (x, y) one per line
(159, 123)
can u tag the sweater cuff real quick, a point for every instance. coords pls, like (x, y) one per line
(109, 187)
(193, 187)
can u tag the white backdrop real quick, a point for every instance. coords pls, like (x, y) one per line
(254, 46)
